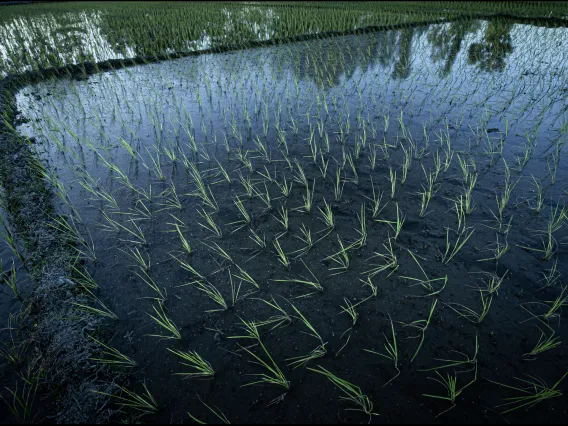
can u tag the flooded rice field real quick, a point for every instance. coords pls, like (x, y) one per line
(365, 228)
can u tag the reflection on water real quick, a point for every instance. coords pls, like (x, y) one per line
(72, 38)
(56, 39)
(490, 54)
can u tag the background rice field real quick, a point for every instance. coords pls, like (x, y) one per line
(364, 227)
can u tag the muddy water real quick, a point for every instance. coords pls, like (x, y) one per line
(494, 90)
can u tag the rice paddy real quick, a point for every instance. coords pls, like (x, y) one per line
(363, 228)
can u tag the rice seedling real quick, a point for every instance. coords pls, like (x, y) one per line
(215, 411)
(145, 403)
(274, 375)
(327, 216)
(389, 258)
(216, 249)
(535, 391)
(282, 218)
(21, 402)
(188, 267)
(396, 225)
(545, 343)
(247, 184)
(13, 353)
(318, 352)
(184, 243)
(450, 385)
(163, 321)
(172, 200)
(152, 284)
(537, 205)
(493, 283)
(246, 218)
(550, 276)
(284, 187)
(307, 239)
(353, 393)
(10, 279)
(392, 180)
(341, 258)
(338, 185)
(376, 201)
(406, 164)
(245, 277)
(137, 232)
(452, 363)
(315, 284)
(209, 224)
(355, 178)
(201, 367)
(113, 356)
(468, 313)
(556, 304)
(391, 352)
(427, 193)
(300, 175)
(102, 311)
(214, 294)
(324, 165)
(427, 282)
(308, 200)
(463, 237)
(498, 251)
(422, 325)
(282, 257)
(362, 231)
(139, 259)
(282, 318)
(265, 198)
(349, 309)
